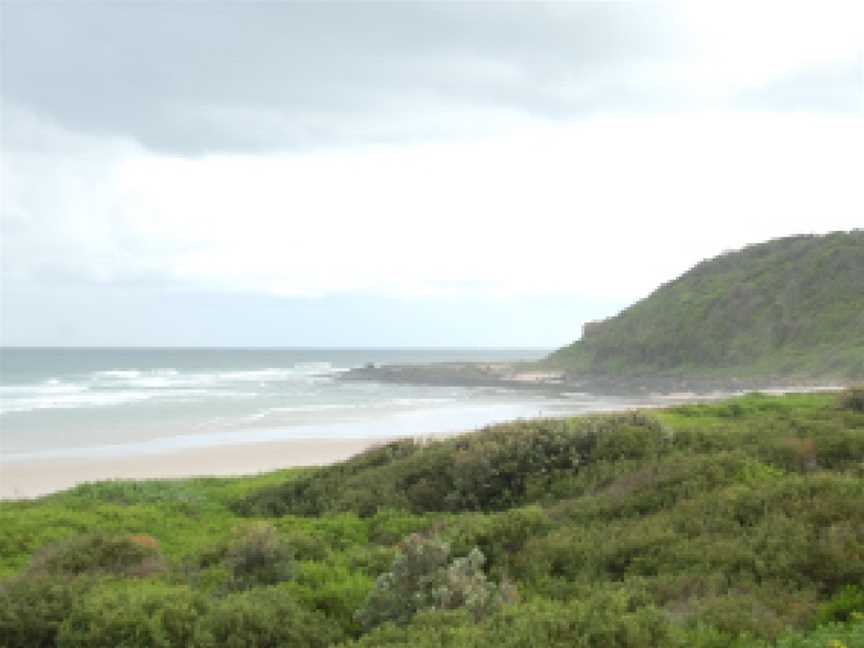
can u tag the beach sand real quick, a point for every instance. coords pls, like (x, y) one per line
(26, 479)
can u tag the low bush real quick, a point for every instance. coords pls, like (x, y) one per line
(832, 635)
(428, 629)
(133, 615)
(178, 494)
(422, 578)
(852, 398)
(259, 556)
(410, 585)
(99, 553)
(267, 617)
(611, 619)
(490, 470)
(334, 589)
(499, 536)
(842, 606)
(32, 607)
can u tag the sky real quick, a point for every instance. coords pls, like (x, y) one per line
(404, 173)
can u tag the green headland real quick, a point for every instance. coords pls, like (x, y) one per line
(791, 308)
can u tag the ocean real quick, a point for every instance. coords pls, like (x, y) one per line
(57, 403)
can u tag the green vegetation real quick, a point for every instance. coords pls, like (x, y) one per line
(739, 523)
(792, 307)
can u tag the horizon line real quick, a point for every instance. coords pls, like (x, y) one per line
(272, 348)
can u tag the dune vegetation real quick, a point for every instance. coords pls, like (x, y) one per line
(739, 523)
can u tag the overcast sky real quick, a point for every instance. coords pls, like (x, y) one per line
(404, 173)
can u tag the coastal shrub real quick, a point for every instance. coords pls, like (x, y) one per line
(258, 556)
(832, 635)
(609, 619)
(336, 531)
(428, 629)
(98, 553)
(178, 494)
(496, 468)
(304, 544)
(332, 588)
(371, 560)
(499, 536)
(33, 607)
(842, 606)
(641, 438)
(415, 573)
(601, 623)
(142, 614)
(505, 464)
(254, 555)
(545, 624)
(465, 586)
(834, 448)
(800, 535)
(627, 488)
(266, 617)
(388, 526)
(319, 491)
(843, 449)
(852, 398)
(741, 613)
(421, 578)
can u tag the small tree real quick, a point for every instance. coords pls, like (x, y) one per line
(465, 586)
(421, 578)
(258, 556)
(852, 398)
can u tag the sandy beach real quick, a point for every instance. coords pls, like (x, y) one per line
(27, 479)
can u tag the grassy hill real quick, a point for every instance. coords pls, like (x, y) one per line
(738, 524)
(791, 307)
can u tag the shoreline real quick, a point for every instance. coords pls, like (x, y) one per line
(32, 478)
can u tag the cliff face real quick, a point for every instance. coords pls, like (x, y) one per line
(788, 307)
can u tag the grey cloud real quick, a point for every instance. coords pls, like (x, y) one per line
(194, 78)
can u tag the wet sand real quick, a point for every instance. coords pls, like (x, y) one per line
(26, 479)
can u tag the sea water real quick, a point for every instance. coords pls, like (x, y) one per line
(126, 402)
